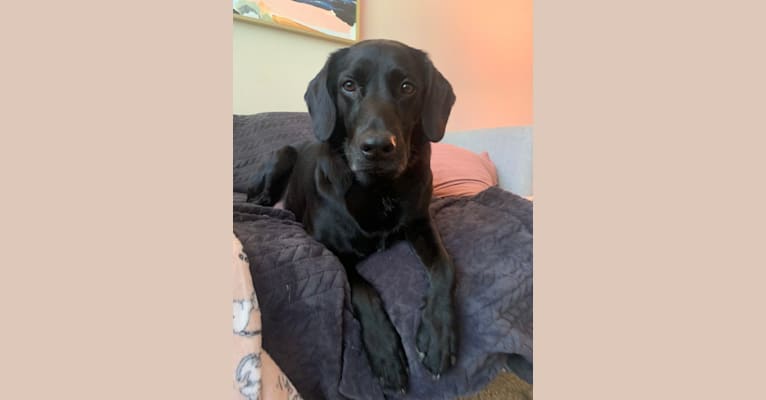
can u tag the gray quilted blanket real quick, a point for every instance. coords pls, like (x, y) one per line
(308, 327)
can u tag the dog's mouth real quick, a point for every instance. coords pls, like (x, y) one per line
(375, 169)
(380, 170)
(368, 172)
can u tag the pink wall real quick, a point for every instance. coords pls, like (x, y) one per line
(483, 47)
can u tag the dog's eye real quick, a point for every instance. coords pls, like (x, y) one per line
(408, 88)
(349, 86)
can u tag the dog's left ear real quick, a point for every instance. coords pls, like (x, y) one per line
(438, 103)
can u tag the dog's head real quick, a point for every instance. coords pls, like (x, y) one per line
(376, 101)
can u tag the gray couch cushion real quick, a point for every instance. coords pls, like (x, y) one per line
(509, 148)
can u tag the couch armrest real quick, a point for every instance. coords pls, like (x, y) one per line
(510, 148)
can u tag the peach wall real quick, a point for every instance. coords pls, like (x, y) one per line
(483, 47)
(485, 51)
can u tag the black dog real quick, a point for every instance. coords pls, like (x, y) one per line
(375, 108)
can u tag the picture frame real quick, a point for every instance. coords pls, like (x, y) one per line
(336, 20)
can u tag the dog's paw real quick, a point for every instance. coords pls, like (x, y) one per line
(436, 339)
(384, 350)
(390, 367)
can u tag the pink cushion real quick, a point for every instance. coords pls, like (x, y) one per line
(460, 172)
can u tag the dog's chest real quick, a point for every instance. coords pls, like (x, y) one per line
(375, 212)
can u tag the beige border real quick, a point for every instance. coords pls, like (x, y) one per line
(115, 224)
(314, 34)
(649, 200)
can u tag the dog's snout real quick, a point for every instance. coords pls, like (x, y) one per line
(378, 146)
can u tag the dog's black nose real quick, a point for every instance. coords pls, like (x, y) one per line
(378, 146)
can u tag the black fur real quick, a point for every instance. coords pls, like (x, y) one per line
(375, 108)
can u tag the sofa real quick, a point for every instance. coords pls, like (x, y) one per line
(307, 326)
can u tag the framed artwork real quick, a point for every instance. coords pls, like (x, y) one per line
(336, 20)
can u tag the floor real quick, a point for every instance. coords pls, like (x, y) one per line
(506, 386)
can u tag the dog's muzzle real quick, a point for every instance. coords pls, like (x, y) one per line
(376, 154)
(378, 146)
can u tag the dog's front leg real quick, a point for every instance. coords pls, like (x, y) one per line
(436, 338)
(379, 337)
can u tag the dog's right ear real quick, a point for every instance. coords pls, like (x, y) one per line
(321, 104)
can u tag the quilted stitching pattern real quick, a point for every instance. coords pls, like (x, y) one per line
(304, 297)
